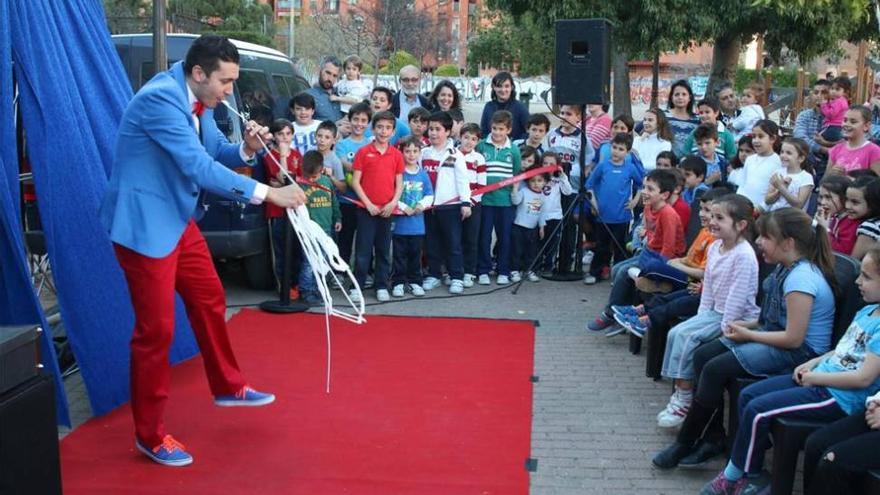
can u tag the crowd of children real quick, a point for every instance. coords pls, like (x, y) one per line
(681, 211)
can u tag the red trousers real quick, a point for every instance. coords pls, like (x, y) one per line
(152, 283)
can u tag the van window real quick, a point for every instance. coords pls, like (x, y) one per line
(256, 97)
(148, 70)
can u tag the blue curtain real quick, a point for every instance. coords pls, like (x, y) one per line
(73, 92)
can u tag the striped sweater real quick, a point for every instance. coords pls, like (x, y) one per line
(476, 166)
(502, 162)
(730, 283)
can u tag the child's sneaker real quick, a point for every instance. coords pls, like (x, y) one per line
(447, 280)
(614, 331)
(382, 295)
(430, 283)
(515, 276)
(624, 311)
(468, 280)
(723, 486)
(368, 282)
(639, 326)
(601, 322)
(533, 277)
(355, 296)
(675, 413)
(398, 291)
(605, 274)
(416, 290)
(589, 280)
(502, 280)
(484, 279)
(456, 287)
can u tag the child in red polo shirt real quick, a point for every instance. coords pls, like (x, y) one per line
(378, 183)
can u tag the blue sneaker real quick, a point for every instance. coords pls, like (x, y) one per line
(638, 326)
(246, 397)
(601, 322)
(169, 453)
(624, 311)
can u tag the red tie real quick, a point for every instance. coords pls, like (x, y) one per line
(198, 109)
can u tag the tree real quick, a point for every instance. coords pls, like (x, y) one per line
(128, 16)
(228, 15)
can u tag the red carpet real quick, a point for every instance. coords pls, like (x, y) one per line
(417, 406)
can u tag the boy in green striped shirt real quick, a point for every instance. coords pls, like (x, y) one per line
(502, 162)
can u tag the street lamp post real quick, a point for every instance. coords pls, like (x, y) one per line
(291, 12)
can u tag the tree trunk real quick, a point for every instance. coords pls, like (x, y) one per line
(621, 96)
(655, 81)
(725, 57)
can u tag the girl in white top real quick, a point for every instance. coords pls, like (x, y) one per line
(655, 138)
(763, 164)
(792, 186)
(750, 110)
(735, 168)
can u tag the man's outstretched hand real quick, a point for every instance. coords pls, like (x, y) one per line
(289, 196)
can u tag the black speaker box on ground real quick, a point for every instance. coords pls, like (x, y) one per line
(582, 73)
(29, 460)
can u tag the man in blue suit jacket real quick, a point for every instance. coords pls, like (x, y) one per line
(168, 150)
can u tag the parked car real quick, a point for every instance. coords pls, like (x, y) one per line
(267, 80)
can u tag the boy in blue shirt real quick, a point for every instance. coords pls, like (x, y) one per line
(706, 140)
(694, 169)
(359, 116)
(610, 188)
(408, 231)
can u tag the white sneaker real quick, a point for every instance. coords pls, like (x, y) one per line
(397, 291)
(515, 276)
(382, 295)
(447, 280)
(502, 280)
(589, 280)
(484, 280)
(355, 296)
(456, 287)
(430, 283)
(675, 415)
(468, 280)
(533, 277)
(416, 290)
(633, 272)
(669, 405)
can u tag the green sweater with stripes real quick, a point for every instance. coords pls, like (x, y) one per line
(502, 162)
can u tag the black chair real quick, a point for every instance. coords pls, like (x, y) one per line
(789, 435)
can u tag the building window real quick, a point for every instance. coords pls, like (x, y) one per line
(352, 2)
(333, 5)
(456, 6)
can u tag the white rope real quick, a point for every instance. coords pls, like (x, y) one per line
(323, 256)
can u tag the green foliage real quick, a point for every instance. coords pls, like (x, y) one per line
(781, 77)
(234, 15)
(520, 44)
(398, 60)
(447, 70)
(249, 36)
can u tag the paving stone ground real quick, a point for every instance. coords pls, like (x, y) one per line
(594, 425)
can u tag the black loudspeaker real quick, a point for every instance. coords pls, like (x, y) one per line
(582, 73)
(29, 460)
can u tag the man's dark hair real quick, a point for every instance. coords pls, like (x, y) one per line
(822, 82)
(384, 115)
(383, 89)
(328, 125)
(313, 162)
(443, 118)
(714, 193)
(705, 131)
(332, 60)
(693, 164)
(304, 100)
(207, 51)
(664, 178)
(623, 138)
(711, 102)
(362, 107)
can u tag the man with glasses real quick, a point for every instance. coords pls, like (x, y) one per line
(727, 98)
(326, 105)
(409, 97)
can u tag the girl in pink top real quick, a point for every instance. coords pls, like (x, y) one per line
(855, 152)
(598, 124)
(834, 108)
(730, 284)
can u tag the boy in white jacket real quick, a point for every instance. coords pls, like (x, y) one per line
(452, 204)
